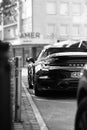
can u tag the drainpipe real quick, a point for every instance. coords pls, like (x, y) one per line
(2, 26)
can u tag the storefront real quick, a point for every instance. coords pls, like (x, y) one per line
(27, 48)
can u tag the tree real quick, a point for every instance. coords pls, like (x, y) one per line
(7, 8)
(5, 3)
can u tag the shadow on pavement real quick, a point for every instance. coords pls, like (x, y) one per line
(59, 95)
(55, 95)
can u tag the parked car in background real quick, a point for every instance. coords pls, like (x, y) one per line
(30, 71)
(58, 66)
(81, 114)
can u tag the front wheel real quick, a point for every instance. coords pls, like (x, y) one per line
(29, 84)
(81, 116)
(36, 91)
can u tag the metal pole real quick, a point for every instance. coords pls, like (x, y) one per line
(18, 89)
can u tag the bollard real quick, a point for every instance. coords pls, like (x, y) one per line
(5, 88)
(18, 89)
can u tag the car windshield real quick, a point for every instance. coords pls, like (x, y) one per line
(82, 44)
(66, 47)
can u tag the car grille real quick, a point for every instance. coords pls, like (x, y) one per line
(70, 63)
(59, 74)
(66, 73)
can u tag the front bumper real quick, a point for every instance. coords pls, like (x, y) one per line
(50, 84)
(56, 80)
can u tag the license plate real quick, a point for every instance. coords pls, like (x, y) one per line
(75, 75)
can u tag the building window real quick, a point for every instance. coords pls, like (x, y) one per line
(10, 32)
(51, 7)
(76, 9)
(64, 8)
(85, 30)
(50, 31)
(63, 30)
(75, 30)
(50, 28)
(85, 9)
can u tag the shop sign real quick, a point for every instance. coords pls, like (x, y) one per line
(30, 35)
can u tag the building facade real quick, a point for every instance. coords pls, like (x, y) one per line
(16, 27)
(16, 22)
(31, 24)
(60, 19)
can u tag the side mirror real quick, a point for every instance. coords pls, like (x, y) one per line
(29, 60)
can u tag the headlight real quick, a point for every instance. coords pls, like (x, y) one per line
(42, 66)
(45, 66)
(43, 77)
(38, 67)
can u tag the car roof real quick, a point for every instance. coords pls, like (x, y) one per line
(68, 44)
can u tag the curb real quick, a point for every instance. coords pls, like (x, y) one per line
(36, 112)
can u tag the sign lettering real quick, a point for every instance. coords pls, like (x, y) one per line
(31, 35)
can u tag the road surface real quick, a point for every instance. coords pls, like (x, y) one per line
(57, 110)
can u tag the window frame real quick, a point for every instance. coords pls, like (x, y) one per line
(63, 25)
(74, 13)
(65, 13)
(78, 25)
(50, 12)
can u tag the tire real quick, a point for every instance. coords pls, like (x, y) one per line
(80, 115)
(36, 91)
(29, 84)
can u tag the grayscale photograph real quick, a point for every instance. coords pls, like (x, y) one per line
(43, 64)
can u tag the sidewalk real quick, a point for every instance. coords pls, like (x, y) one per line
(28, 120)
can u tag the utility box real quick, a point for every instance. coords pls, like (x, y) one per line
(5, 88)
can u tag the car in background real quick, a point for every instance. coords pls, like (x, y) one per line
(81, 113)
(30, 62)
(58, 66)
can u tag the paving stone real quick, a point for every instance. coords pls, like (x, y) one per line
(28, 120)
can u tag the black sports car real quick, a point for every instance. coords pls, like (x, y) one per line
(58, 66)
